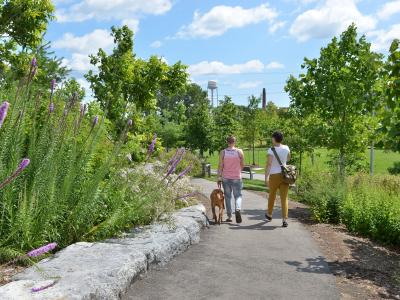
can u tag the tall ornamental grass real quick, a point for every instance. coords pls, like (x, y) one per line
(61, 174)
(366, 205)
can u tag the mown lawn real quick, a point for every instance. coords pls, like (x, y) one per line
(383, 159)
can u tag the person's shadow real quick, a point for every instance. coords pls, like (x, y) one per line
(255, 214)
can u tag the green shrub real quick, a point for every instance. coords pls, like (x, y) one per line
(324, 193)
(366, 205)
(372, 207)
(395, 169)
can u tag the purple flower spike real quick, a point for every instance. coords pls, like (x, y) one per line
(42, 250)
(3, 112)
(152, 145)
(34, 62)
(130, 122)
(176, 162)
(184, 172)
(51, 107)
(24, 163)
(43, 287)
(95, 121)
(34, 71)
(173, 157)
(52, 86)
(83, 109)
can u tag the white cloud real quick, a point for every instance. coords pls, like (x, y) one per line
(274, 65)
(384, 38)
(221, 18)
(112, 9)
(329, 19)
(80, 62)
(249, 84)
(133, 24)
(274, 27)
(389, 9)
(82, 46)
(88, 43)
(84, 83)
(156, 44)
(217, 67)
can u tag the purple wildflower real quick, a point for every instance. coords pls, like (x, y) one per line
(33, 72)
(42, 250)
(176, 162)
(34, 62)
(3, 112)
(173, 157)
(183, 173)
(43, 287)
(95, 121)
(51, 107)
(24, 163)
(52, 87)
(83, 109)
(151, 146)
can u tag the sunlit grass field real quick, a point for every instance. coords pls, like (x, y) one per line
(383, 159)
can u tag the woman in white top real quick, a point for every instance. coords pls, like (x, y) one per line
(274, 179)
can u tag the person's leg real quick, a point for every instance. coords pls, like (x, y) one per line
(274, 182)
(284, 191)
(237, 194)
(228, 197)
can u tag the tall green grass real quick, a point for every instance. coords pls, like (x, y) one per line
(75, 187)
(367, 205)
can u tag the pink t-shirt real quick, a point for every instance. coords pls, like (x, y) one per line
(232, 168)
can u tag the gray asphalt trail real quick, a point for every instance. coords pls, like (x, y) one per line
(254, 260)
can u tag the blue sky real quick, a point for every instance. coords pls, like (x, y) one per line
(243, 45)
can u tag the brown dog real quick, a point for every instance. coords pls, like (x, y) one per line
(217, 199)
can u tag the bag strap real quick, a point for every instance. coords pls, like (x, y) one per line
(277, 156)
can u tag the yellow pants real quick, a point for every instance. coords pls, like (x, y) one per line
(275, 183)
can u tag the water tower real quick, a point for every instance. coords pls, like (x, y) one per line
(212, 87)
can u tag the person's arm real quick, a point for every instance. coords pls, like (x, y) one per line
(289, 156)
(220, 165)
(268, 169)
(241, 159)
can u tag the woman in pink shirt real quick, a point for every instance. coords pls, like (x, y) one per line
(231, 162)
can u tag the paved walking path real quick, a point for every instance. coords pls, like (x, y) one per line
(255, 260)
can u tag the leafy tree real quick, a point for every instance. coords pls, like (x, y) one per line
(268, 122)
(392, 113)
(250, 122)
(24, 21)
(226, 123)
(22, 24)
(200, 128)
(69, 88)
(126, 85)
(339, 88)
